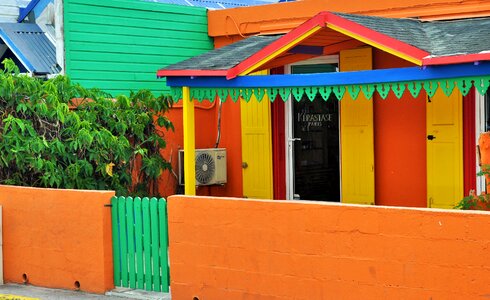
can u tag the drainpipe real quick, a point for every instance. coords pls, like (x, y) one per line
(1, 246)
(59, 35)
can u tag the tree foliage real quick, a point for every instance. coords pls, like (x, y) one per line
(57, 134)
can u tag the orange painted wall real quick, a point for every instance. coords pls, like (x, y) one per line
(57, 237)
(230, 25)
(238, 249)
(282, 17)
(206, 115)
(399, 143)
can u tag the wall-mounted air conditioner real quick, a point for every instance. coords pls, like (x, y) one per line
(210, 166)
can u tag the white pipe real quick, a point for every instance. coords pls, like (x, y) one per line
(1, 246)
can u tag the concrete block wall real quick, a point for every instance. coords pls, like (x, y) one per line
(224, 248)
(57, 238)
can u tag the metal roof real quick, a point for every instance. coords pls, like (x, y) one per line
(23, 3)
(225, 57)
(31, 46)
(216, 4)
(439, 38)
(426, 43)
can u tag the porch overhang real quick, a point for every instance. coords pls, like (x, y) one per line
(398, 80)
(421, 43)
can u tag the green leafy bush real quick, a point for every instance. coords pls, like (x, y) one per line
(474, 201)
(57, 134)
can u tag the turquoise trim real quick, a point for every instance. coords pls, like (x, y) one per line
(297, 93)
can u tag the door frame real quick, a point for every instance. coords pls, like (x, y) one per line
(288, 110)
(480, 127)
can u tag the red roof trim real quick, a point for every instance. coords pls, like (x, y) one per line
(376, 37)
(321, 20)
(455, 59)
(318, 20)
(164, 73)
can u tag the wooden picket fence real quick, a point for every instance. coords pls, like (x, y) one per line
(140, 243)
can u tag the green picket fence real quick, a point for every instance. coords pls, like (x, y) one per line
(140, 243)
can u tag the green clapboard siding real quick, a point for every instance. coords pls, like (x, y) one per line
(118, 45)
(140, 243)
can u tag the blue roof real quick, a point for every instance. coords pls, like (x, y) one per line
(216, 4)
(26, 6)
(23, 3)
(31, 46)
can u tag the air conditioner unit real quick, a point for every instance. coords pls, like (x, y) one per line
(210, 166)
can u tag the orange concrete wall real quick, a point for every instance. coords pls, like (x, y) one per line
(238, 249)
(57, 237)
(399, 143)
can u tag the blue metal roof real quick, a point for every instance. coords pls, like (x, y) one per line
(31, 5)
(31, 46)
(23, 3)
(216, 4)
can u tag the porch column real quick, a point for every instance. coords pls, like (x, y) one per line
(189, 143)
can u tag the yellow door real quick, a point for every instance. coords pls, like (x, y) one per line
(444, 150)
(256, 147)
(356, 135)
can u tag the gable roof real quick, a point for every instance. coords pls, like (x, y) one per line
(222, 59)
(439, 38)
(422, 43)
(31, 46)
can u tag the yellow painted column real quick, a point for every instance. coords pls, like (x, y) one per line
(189, 143)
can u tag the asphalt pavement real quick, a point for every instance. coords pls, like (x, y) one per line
(29, 292)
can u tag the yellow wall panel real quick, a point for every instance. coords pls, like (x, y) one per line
(356, 135)
(257, 147)
(444, 150)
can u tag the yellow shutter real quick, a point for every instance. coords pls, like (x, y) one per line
(356, 135)
(256, 147)
(444, 150)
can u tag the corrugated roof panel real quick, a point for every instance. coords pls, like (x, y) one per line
(437, 39)
(31, 46)
(23, 3)
(225, 57)
(216, 4)
(207, 4)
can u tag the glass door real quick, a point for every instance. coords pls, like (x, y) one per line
(315, 136)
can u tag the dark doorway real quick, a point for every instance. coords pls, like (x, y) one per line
(316, 149)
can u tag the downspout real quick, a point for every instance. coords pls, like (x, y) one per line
(218, 137)
(59, 35)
